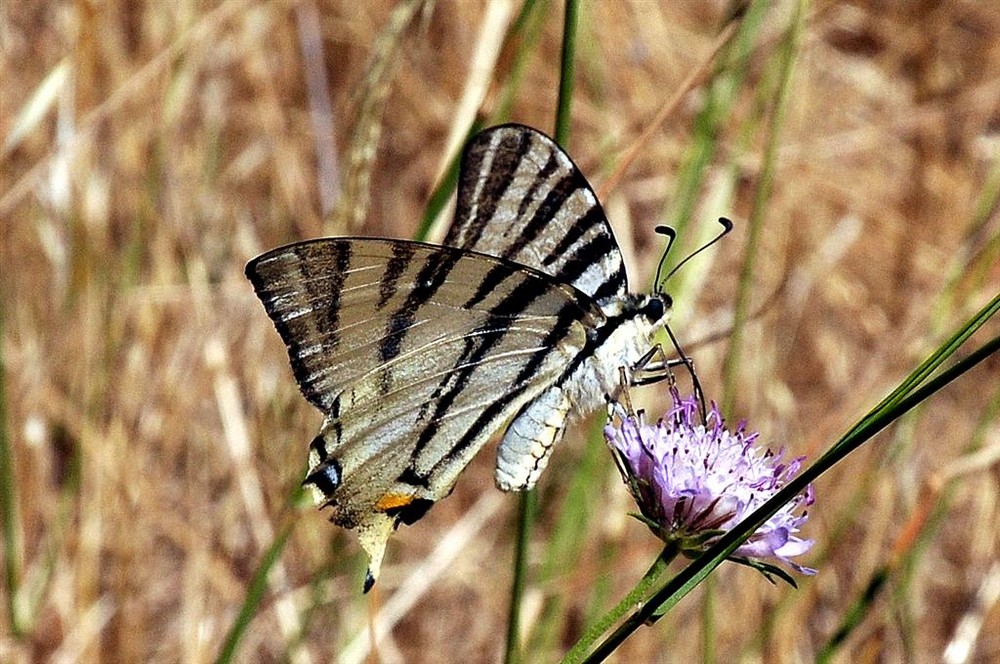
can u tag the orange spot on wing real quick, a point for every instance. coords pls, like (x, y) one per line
(393, 501)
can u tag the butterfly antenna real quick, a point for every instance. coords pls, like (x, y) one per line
(671, 236)
(727, 226)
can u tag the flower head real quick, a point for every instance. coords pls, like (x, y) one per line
(694, 481)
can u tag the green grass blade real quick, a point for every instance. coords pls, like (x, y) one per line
(8, 507)
(255, 594)
(761, 198)
(566, 69)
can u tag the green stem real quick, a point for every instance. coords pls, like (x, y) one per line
(566, 67)
(254, 596)
(8, 510)
(526, 513)
(630, 601)
(762, 195)
(525, 519)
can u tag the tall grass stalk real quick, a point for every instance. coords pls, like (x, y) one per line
(523, 34)
(526, 510)
(12, 557)
(721, 96)
(761, 198)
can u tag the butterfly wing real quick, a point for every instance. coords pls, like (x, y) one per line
(417, 354)
(522, 198)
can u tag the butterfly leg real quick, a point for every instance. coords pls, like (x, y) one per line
(525, 449)
(654, 367)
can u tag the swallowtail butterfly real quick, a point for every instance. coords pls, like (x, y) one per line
(417, 354)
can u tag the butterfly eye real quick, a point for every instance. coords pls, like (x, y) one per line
(654, 309)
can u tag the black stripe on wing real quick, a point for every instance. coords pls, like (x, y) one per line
(482, 343)
(300, 286)
(402, 254)
(521, 197)
(597, 336)
(501, 410)
(436, 269)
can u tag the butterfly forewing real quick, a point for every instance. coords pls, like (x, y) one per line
(522, 198)
(351, 307)
(417, 354)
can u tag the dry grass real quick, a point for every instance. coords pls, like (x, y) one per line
(151, 149)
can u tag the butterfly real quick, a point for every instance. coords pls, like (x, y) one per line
(417, 354)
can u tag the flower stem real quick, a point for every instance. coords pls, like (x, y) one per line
(630, 601)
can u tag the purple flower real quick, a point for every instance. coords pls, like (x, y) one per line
(693, 482)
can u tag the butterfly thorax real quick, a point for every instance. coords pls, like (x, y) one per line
(614, 346)
(632, 321)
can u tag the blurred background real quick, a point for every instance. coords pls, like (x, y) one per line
(153, 438)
